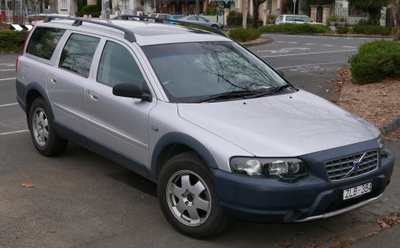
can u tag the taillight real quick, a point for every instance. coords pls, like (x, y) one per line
(22, 51)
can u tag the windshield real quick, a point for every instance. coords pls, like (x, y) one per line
(191, 72)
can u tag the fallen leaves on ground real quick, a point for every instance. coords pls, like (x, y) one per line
(387, 222)
(377, 103)
(28, 185)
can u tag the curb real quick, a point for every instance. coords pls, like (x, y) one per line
(390, 126)
(268, 41)
(335, 35)
(9, 52)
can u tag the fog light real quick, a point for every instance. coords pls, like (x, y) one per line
(288, 215)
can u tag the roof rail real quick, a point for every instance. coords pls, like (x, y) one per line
(129, 35)
(214, 30)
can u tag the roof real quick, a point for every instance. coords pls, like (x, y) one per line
(145, 33)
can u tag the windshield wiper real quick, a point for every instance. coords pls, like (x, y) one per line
(228, 95)
(269, 92)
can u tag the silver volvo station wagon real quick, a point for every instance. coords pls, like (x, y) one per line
(222, 133)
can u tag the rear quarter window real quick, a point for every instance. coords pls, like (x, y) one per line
(44, 41)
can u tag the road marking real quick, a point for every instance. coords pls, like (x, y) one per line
(309, 44)
(7, 70)
(296, 66)
(20, 131)
(349, 46)
(9, 104)
(5, 79)
(284, 50)
(7, 64)
(327, 45)
(298, 54)
(293, 42)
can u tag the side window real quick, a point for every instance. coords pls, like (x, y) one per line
(118, 66)
(289, 18)
(193, 18)
(78, 53)
(44, 41)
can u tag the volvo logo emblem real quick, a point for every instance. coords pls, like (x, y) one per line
(356, 166)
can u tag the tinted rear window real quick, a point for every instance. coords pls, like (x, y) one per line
(44, 41)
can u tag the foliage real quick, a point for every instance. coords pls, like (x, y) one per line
(235, 18)
(332, 18)
(80, 4)
(241, 34)
(375, 60)
(11, 40)
(373, 7)
(343, 30)
(291, 28)
(369, 30)
(212, 12)
(272, 17)
(88, 9)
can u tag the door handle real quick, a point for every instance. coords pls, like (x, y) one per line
(52, 79)
(93, 95)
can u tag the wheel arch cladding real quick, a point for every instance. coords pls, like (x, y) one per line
(182, 142)
(33, 91)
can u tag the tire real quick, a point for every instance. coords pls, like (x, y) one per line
(214, 26)
(188, 197)
(43, 134)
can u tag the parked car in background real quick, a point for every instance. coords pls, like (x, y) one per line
(202, 20)
(176, 17)
(160, 16)
(294, 19)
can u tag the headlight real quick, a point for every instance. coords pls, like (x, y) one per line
(269, 168)
(381, 144)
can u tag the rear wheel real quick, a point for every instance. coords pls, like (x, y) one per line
(188, 197)
(44, 137)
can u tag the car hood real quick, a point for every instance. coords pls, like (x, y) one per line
(282, 125)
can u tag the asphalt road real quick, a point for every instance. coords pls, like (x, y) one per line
(309, 61)
(80, 199)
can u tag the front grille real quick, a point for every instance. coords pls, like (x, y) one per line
(338, 168)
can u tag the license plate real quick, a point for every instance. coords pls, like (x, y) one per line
(357, 191)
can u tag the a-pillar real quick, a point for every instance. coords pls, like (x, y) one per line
(325, 13)
(314, 12)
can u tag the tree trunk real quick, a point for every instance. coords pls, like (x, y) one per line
(394, 14)
(245, 11)
(256, 6)
(197, 7)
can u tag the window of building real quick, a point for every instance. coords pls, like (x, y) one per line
(356, 12)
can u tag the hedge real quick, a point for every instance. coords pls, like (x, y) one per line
(374, 61)
(241, 34)
(291, 28)
(11, 40)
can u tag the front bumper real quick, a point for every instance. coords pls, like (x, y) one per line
(309, 198)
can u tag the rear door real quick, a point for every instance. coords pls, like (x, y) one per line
(66, 83)
(118, 126)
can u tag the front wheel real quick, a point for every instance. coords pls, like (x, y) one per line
(44, 137)
(188, 197)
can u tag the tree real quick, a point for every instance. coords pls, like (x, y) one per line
(395, 3)
(373, 7)
(256, 6)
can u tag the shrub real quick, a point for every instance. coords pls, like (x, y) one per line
(11, 40)
(375, 60)
(296, 28)
(343, 30)
(362, 29)
(241, 34)
(80, 4)
(88, 9)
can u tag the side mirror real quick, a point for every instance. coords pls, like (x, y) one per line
(280, 72)
(130, 90)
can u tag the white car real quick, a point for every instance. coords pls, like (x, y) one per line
(298, 19)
